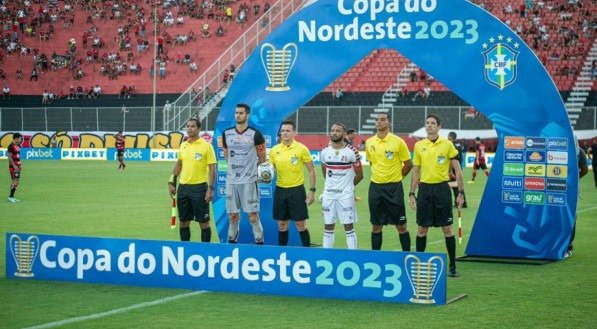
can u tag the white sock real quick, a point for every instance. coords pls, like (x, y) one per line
(351, 239)
(257, 231)
(233, 231)
(328, 239)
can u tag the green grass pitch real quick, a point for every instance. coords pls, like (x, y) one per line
(92, 198)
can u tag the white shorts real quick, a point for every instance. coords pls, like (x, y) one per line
(242, 196)
(344, 210)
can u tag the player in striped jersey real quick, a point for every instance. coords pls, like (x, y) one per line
(120, 149)
(14, 164)
(341, 167)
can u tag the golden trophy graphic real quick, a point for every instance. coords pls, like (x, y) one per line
(277, 64)
(24, 253)
(423, 277)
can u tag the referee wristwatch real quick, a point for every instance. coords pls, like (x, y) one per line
(312, 189)
(411, 194)
(211, 187)
(461, 192)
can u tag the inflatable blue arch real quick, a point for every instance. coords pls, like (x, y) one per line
(528, 207)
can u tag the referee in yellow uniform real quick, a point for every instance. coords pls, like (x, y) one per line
(290, 200)
(390, 163)
(433, 158)
(195, 173)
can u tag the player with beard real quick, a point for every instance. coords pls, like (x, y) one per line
(244, 149)
(342, 171)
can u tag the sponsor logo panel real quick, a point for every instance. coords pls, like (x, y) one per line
(534, 183)
(163, 155)
(534, 198)
(512, 183)
(557, 143)
(535, 143)
(556, 199)
(40, 154)
(265, 192)
(535, 156)
(83, 154)
(133, 154)
(513, 156)
(513, 169)
(557, 157)
(534, 169)
(514, 142)
(556, 184)
(221, 178)
(222, 166)
(560, 171)
(510, 196)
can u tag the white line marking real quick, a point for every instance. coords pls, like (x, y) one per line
(585, 210)
(116, 311)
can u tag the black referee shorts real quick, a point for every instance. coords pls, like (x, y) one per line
(190, 200)
(289, 203)
(434, 205)
(386, 204)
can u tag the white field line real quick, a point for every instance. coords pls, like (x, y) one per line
(585, 210)
(115, 311)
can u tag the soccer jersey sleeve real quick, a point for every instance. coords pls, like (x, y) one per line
(211, 155)
(305, 155)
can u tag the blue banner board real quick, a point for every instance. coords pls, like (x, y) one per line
(383, 276)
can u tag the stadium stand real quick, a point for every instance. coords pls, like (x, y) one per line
(562, 34)
(84, 43)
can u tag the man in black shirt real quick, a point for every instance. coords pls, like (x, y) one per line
(452, 137)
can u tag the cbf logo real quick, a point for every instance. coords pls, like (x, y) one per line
(500, 61)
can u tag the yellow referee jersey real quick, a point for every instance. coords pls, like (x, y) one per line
(386, 156)
(434, 159)
(195, 157)
(289, 162)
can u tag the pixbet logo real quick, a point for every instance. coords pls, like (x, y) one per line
(557, 144)
(128, 154)
(40, 154)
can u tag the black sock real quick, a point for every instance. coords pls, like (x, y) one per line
(206, 234)
(12, 192)
(185, 234)
(282, 238)
(376, 240)
(451, 247)
(305, 238)
(404, 241)
(421, 243)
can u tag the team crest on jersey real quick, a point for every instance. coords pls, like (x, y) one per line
(294, 160)
(500, 61)
(198, 156)
(389, 155)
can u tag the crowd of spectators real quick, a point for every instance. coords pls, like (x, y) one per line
(31, 22)
(560, 32)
